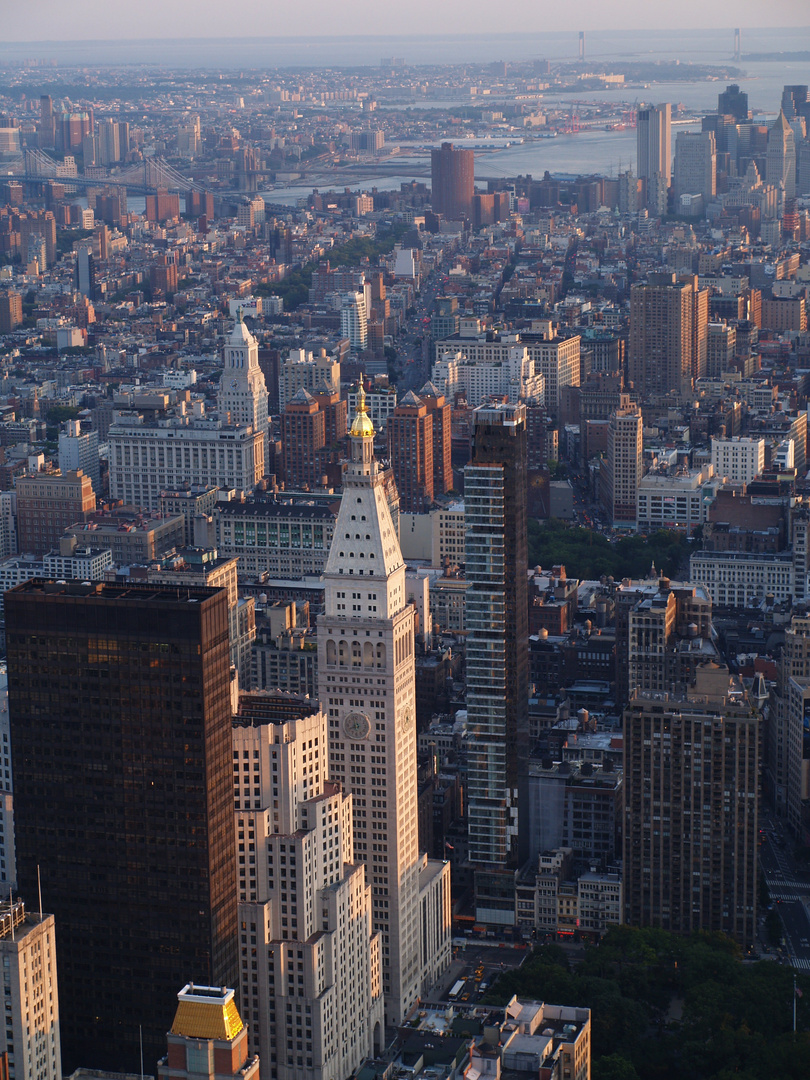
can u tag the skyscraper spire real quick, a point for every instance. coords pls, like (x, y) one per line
(362, 427)
(366, 675)
(780, 157)
(242, 394)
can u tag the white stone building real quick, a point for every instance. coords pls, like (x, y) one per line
(513, 377)
(739, 459)
(674, 500)
(302, 368)
(354, 319)
(282, 539)
(148, 457)
(743, 578)
(556, 359)
(366, 678)
(79, 450)
(380, 404)
(309, 955)
(30, 1034)
(242, 397)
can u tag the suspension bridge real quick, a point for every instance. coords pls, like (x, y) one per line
(146, 177)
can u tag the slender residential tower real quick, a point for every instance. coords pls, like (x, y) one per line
(497, 651)
(654, 141)
(366, 686)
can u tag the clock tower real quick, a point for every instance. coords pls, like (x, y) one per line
(366, 687)
(242, 389)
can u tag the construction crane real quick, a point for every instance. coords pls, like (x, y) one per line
(572, 121)
(630, 114)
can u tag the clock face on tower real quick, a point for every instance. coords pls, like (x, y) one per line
(234, 383)
(356, 725)
(406, 717)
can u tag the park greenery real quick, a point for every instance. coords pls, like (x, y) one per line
(66, 238)
(589, 555)
(666, 1006)
(55, 417)
(294, 289)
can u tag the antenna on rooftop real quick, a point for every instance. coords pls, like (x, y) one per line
(39, 890)
(11, 909)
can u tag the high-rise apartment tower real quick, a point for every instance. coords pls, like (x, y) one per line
(497, 645)
(654, 141)
(452, 181)
(691, 791)
(410, 437)
(624, 465)
(669, 318)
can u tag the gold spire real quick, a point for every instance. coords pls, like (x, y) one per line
(362, 426)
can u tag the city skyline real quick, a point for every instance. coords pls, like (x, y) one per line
(400, 573)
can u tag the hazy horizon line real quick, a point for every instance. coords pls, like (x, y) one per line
(617, 31)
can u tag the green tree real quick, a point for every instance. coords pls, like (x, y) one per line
(58, 414)
(773, 928)
(669, 1006)
(614, 1067)
(294, 289)
(589, 554)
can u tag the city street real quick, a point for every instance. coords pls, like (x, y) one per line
(473, 957)
(789, 887)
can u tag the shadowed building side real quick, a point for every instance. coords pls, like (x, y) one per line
(119, 700)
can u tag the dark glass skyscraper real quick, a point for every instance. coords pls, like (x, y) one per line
(119, 701)
(733, 102)
(497, 647)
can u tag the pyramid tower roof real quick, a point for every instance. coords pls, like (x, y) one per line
(411, 399)
(430, 390)
(780, 124)
(302, 397)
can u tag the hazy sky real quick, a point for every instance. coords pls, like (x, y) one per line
(54, 20)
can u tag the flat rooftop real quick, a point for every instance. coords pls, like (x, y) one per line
(260, 508)
(257, 707)
(171, 594)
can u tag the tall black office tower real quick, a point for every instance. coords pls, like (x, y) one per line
(119, 701)
(733, 102)
(497, 650)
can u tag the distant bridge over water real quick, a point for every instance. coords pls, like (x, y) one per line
(151, 175)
